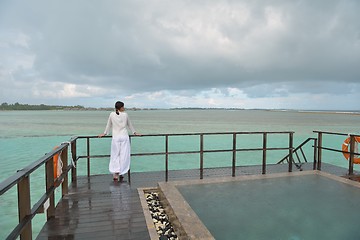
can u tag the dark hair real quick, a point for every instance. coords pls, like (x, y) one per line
(118, 105)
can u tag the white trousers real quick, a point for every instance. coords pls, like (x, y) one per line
(120, 155)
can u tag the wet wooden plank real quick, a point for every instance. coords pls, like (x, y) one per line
(98, 208)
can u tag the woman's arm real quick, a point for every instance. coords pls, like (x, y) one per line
(131, 127)
(107, 128)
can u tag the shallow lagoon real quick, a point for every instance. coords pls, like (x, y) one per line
(28, 135)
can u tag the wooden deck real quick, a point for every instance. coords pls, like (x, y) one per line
(98, 208)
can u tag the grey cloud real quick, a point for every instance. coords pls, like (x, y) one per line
(141, 46)
(284, 89)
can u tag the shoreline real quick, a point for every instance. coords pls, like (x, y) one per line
(348, 112)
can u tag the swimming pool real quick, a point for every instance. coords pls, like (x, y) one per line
(305, 205)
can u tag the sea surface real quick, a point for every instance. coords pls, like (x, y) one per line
(25, 136)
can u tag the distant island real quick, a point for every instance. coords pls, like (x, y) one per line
(25, 107)
(19, 106)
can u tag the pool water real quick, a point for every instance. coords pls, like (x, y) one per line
(301, 207)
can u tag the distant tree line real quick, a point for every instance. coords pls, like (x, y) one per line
(19, 106)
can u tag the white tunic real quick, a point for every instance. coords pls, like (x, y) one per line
(118, 124)
(120, 144)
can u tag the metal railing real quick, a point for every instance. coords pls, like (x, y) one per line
(21, 179)
(202, 150)
(351, 150)
(301, 159)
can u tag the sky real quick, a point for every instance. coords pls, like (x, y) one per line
(279, 54)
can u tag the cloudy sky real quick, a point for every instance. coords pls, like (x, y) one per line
(300, 54)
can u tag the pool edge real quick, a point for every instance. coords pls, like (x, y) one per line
(186, 220)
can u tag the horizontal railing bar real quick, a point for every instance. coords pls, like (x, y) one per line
(10, 182)
(195, 134)
(34, 210)
(26, 171)
(188, 152)
(41, 201)
(336, 133)
(297, 148)
(18, 229)
(93, 156)
(340, 151)
(93, 136)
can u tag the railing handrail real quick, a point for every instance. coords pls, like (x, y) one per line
(21, 178)
(337, 133)
(195, 134)
(202, 149)
(37, 206)
(297, 148)
(27, 210)
(188, 152)
(351, 149)
(12, 180)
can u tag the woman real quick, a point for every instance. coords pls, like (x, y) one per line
(118, 122)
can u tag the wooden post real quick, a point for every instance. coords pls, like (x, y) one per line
(351, 158)
(65, 183)
(290, 151)
(319, 152)
(49, 176)
(264, 153)
(315, 156)
(73, 155)
(88, 156)
(129, 172)
(234, 155)
(24, 207)
(201, 156)
(129, 175)
(166, 158)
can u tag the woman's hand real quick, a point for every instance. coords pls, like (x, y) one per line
(101, 135)
(137, 134)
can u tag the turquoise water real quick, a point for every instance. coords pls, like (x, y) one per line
(294, 208)
(25, 136)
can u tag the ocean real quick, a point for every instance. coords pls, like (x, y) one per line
(25, 136)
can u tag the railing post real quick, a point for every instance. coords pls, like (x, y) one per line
(166, 157)
(234, 155)
(24, 207)
(315, 156)
(291, 151)
(88, 156)
(201, 156)
(129, 171)
(65, 183)
(319, 152)
(264, 153)
(49, 176)
(73, 155)
(351, 158)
